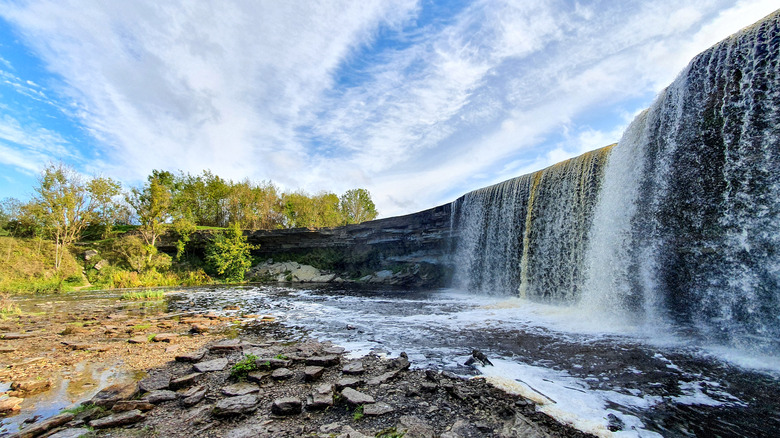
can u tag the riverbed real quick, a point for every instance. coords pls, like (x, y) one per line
(603, 379)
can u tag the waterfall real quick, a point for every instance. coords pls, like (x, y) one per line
(678, 223)
(529, 234)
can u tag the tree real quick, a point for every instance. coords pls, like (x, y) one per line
(103, 191)
(229, 254)
(152, 205)
(357, 206)
(63, 205)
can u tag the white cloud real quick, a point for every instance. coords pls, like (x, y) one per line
(253, 88)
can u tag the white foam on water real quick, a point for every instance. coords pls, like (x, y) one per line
(568, 399)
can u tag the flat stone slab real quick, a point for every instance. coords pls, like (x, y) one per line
(194, 395)
(242, 388)
(272, 363)
(376, 409)
(193, 356)
(12, 336)
(382, 378)
(165, 337)
(348, 382)
(164, 395)
(115, 420)
(73, 432)
(10, 405)
(324, 361)
(313, 373)
(211, 365)
(317, 401)
(257, 376)
(155, 382)
(30, 387)
(282, 374)
(112, 394)
(46, 425)
(140, 339)
(227, 346)
(353, 368)
(286, 406)
(235, 405)
(184, 381)
(356, 398)
(129, 405)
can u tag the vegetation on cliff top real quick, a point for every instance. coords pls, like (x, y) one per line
(70, 214)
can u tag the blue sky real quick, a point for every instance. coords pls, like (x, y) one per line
(417, 101)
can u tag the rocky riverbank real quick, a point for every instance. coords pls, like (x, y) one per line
(288, 387)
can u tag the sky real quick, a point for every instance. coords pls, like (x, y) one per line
(417, 101)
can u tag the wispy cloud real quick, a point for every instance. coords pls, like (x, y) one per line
(415, 101)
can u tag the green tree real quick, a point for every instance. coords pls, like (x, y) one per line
(104, 190)
(152, 205)
(228, 254)
(357, 206)
(63, 206)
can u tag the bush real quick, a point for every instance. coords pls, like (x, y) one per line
(228, 254)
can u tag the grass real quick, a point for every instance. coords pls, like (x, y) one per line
(7, 307)
(79, 409)
(390, 432)
(243, 367)
(143, 295)
(141, 327)
(280, 356)
(358, 414)
(27, 266)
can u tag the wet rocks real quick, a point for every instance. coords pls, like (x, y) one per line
(29, 387)
(235, 406)
(108, 396)
(354, 397)
(401, 362)
(45, 425)
(10, 405)
(116, 420)
(286, 406)
(211, 365)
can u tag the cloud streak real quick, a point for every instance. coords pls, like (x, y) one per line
(417, 102)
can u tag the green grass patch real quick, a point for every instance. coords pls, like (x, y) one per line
(143, 295)
(243, 367)
(141, 327)
(358, 414)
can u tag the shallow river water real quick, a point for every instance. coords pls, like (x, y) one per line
(640, 382)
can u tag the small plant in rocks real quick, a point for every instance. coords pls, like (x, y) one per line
(243, 367)
(280, 356)
(358, 414)
(390, 432)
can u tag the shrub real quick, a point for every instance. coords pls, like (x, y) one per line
(244, 367)
(228, 254)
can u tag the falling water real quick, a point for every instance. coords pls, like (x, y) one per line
(678, 224)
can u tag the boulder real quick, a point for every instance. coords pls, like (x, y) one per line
(89, 254)
(101, 264)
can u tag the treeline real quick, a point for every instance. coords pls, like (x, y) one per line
(66, 206)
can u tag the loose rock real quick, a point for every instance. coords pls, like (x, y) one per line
(129, 405)
(211, 365)
(155, 382)
(184, 381)
(282, 374)
(348, 382)
(107, 397)
(45, 425)
(194, 395)
(115, 420)
(235, 405)
(286, 406)
(312, 373)
(194, 356)
(164, 395)
(353, 368)
(376, 409)
(355, 397)
(323, 361)
(242, 388)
